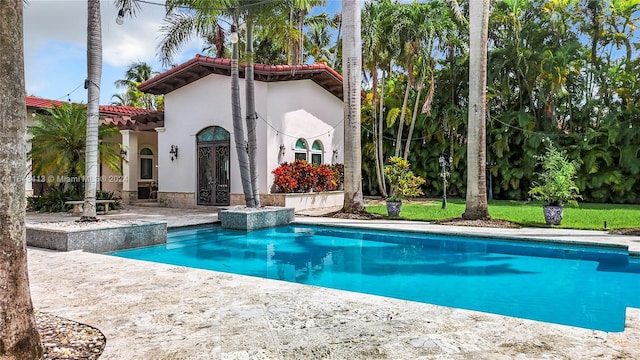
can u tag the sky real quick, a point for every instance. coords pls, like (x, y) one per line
(55, 33)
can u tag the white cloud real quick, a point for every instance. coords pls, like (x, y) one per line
(55, 41)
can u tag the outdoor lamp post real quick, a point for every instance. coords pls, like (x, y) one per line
(445, 164)
(234, 34)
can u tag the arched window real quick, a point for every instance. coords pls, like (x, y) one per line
(316, 152)
(301, 150)
(213, 133)
(146, 164)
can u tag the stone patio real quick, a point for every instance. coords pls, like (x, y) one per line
(156, 311)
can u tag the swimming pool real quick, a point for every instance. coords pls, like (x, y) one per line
(580, 286)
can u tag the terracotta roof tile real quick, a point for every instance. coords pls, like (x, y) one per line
(37, 102)
(201, 66)
(124, 117)
(125, 110)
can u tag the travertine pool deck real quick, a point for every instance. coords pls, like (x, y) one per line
(157, 311)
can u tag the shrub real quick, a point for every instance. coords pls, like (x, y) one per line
(404, 184)
(338, 174)
(51, 201)
(324, 179)
(108, 195)
(300, 177)
(556, 185)
(285, 179)
(54, 200)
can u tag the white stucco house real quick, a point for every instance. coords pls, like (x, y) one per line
(300, 115)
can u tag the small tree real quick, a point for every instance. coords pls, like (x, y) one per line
(556, 185)
(59, 143)
(404, 184)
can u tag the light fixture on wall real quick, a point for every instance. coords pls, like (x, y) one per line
(282, 149)
(335, 154)
(173, 152)
(123, 152)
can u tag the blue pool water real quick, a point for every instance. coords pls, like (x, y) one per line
(579, 286)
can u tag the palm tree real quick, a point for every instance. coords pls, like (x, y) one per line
(59, 142)
(351, 65)
(318, 38)
(19, 338)
(298, 10)
(238, 126)
(476, 200)
(136, 74)
(179, 28)
(377, 54)
(94, 74)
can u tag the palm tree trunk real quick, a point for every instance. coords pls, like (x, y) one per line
(251, 116)
(238, 130)
(94, 74)
(476, 199)
(403, 112)
(374, 86)
(335, 50)
(19, 337)
(351, 67)
(300, 54)
(413, 122)
(380, 149)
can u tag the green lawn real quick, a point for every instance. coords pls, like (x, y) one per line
(586, 216)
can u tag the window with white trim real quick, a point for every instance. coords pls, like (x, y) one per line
(316, 152)
(146, 164)
(301, 150)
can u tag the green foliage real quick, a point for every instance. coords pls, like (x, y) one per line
(556, 185)
(136, 74)
(108, 195)
(58, 144)
(53, 201)
(549, 75)
(404, 184)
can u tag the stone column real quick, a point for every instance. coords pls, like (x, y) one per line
(130, 166)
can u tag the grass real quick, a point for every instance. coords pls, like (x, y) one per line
(587, 216)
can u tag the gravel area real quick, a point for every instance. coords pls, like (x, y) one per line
(66, 339)
(82, 225)
(492, 223)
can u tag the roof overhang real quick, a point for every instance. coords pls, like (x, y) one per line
(201, 66)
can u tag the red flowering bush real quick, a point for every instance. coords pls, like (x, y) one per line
(300, 177)
(338, 174)
(305, 176)
(324, 179)
(285, 179)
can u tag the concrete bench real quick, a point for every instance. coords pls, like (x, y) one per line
(77, 205)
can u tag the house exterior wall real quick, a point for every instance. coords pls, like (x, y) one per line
(286, 111)
(302, 110)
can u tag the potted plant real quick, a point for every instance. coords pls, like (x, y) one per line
(403, 184)
(556, 186)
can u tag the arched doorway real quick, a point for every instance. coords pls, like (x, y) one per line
(213, 166)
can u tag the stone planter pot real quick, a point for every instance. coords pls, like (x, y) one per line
(553, 214)
(393, 208)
